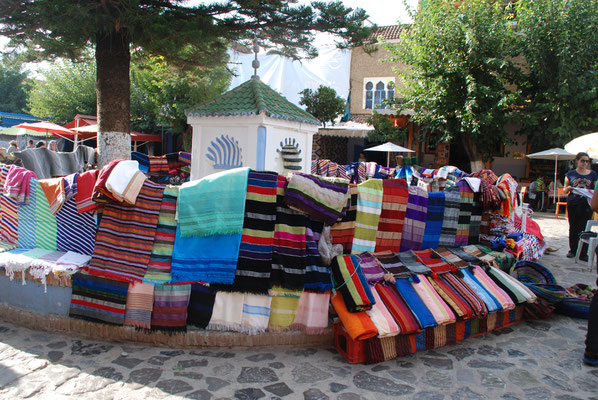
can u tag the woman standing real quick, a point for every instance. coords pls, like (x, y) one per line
(577, 206)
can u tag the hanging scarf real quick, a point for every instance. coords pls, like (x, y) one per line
(415, 219)
(434, 219)
(394, 206)
(452, 200)
(369, 207)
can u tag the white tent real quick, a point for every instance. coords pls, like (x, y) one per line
(389, 148)
(586, 143)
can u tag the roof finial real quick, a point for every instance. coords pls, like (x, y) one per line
(255, 63)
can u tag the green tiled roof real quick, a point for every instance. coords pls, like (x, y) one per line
(252, 98)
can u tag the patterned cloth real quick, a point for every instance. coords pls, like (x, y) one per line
(465, 208)
(75, 231)
(140, 302)
(438, 307)
(170, 307)
(323, 199)
(411, 261)
(201, 304)
(283, 311)
(17, 184)
(8, 212)
(370, 267)
(53, 189)
(45, 229)
(27, 220)
(369, 207)
(42, 266)
(317, 275)
(254, 265)
(431, 260)
(351, 283)
(85, 184)
(451, 258)
(343, 231)
(477, 208)
(158, 267)
(475, 302)
(461, 307)
(381, 317)
(98, 298)
(452, 201)
(312, 313)
(391, 264)
(125, 237)
(394, 206)
(500, 295)
(415, 219)
(434, 219)
(489, 300)
(397, 307)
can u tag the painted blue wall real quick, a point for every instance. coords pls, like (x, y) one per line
(31, 297)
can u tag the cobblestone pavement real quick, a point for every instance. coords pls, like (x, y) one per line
(531, 360)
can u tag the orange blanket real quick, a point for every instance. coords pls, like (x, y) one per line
(54, 190)
(358, 325)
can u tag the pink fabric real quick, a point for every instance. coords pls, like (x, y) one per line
(501, 296)
(439, 309)
(531, 227)
(16, 185)
(382, 318)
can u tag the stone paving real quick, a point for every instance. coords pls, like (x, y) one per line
(531, 360)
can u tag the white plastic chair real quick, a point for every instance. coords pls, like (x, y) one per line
(592, 243)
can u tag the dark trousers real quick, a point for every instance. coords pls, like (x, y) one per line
(579, 215)
(592, 335)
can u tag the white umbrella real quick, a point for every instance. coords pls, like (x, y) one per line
(586, 143)
(553, 154)
(389, 148)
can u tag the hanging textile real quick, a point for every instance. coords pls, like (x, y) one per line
(140, 303)
(201, 304)
(343, 231)
(45, 227)
(27, 225)
(8, 213)
(256, 313)
(98, 298)
(394, 206)
(317, 275)
(170, 307)
(227, 314)
(477, 208)
(75, 231)
(434, 219)
(85, 184)
(369, 207)
(452, 200)
(464, 219)
(415, 219)
(283, 311)
(312, 313)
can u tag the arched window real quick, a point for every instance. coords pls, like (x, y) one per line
(379, 95)
(369, 95)
(390, 90)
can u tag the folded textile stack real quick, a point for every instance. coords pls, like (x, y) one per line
(125, 181)
(351, 283)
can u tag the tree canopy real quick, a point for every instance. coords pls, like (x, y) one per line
(460, 58)
(322, 103)
(188, 35)
(13, 95)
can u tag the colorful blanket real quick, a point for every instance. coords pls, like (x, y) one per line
(254, 265)
(201, 304)
(488, 298)
(518, 292)
(27, 220)
(415, 219)
(465, 207)
(142, 159)
(323, 199)
(98, 298)
(370, 267)
(158, 267)
(475, 302)
(434, 219)
(452, 201)
(8, 212)
(477, 208)
(170, 307)
(45, 227)
(394, 206)
(140, 302)
(227, 314)
(343, 231)
(256, 313)
(125, 236)
(351, 283)
(416, 305)
(75, 231)
(17, 184)
(397, 307)
(460, 307)
(317, 274)
(440, 310)
(358, 325)
(391, 264)
(431, 260)
(410, 260)
(369, 207)
(213, 205)
(283, 311)
(381, 317)
(85, 184)
(312, 313)
(465, 257)
(53, 188)
(500, 295)
(450, 257)
(289, 254)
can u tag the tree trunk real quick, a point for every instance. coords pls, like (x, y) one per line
(113, 87)
(475, 159)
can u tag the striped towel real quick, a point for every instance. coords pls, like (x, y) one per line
(126, 236)
(418, 307)
(85, 183)
(158, 267)
(370, 267)
(460, 307)
(464, 214)
(27, 220)
(381, 317)
(469, 259)
(343, 231)
(221, 208)
(431, 260)
(323, 199)
(289, 254)
(391, 264)
(519, 290)
(478, 306)
(369, 207)
(317, 275)
(140, 302)
(415, 219)
(397, 307)
(158, 166)
(475, 251)
(53, 188)
(185, 157)
(256, 313)
(45, 228)
(170, 307)
(75, 231)
(351, 283)
(452, 201)
(8, 213)
(227, 314)
(434, 219)
(312, 313)
(499, 294)
(438, 307)
(488, 298)
(283, 312)
(201, 304)
(394, 206)
(142, 159)
(98, 298)
(254, 265)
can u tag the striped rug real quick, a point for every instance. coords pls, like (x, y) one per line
(8, 213)
(415, 219)
(394, 206)
(126, 236)
(98, 298)
(158, 267)
(45, 228)
(434, 219)
(452, 201)
(477, 208)
(254, 265)
(343, 231)
(27, 219)
(465, 207)
(369, 207)
(170, 307)
(75, 231)
(140, 302)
